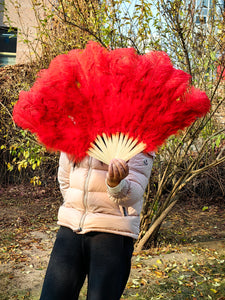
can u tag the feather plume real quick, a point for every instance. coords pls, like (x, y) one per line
(109, 103)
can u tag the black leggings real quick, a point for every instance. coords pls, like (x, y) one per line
(104, 257)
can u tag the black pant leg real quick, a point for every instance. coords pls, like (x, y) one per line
(110, 262)
(66, 270)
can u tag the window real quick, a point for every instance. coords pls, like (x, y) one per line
(205, 3)
(8, 40)
(200, 20)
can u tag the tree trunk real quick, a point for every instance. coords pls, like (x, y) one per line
(150, 231)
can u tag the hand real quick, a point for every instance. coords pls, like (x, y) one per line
(118, 170)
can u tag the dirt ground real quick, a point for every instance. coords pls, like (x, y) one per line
(193, 232)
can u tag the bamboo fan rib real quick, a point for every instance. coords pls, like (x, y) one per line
(118, 145)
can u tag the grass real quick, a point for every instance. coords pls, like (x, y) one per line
(185, 281)
(178, 269)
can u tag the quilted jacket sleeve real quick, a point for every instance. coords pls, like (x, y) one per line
(64, 173)
(132, 188)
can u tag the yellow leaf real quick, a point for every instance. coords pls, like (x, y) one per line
(158, 261)
(159, 274)
(214, 291)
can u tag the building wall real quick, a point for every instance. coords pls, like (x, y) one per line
(1, 12)
(22, 18)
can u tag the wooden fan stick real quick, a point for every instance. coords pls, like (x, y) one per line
(137, 149)
(118, 145)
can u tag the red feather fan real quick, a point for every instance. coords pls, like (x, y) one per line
(102, 102)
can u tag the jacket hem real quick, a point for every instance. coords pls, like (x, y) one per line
(86, 230)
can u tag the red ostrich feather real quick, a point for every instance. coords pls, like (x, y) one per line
(99, 102)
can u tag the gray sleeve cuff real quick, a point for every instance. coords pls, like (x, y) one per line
(116, 189)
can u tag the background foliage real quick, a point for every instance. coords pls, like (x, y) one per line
(198, 48)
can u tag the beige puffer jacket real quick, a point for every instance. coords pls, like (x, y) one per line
(91, 205)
